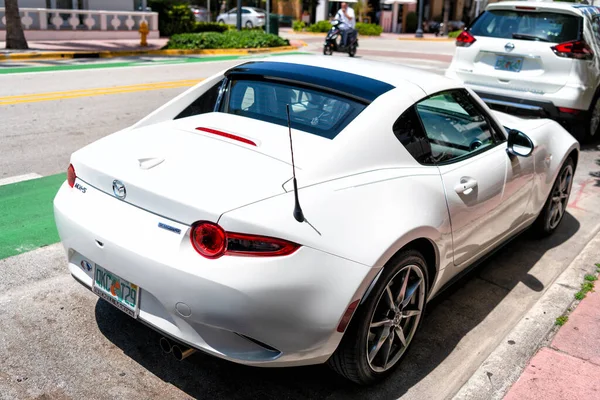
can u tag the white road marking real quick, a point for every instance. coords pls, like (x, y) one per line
(19, 178)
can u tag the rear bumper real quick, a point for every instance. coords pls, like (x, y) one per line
(281, 311)
(529, 107)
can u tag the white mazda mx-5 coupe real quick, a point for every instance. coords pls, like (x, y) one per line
(301, 209)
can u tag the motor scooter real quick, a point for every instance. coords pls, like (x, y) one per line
(333, 41)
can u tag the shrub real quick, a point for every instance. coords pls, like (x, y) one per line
(321, 26)
(298, 26)
(411, 22)
(226, 40)
(454, 34)
(368, 29)
(209, 27)
(174, 18)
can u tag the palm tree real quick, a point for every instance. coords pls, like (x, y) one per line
(15, 38)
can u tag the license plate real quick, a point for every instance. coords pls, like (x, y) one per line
(506, 63)
(117, 291)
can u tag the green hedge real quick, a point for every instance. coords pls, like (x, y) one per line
(368, 29)
(208, 27)
(298, 26)
(454, 34)
(321, 26)
(227, 40)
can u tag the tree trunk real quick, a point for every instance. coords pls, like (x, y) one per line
(446, 16)
(15, 38)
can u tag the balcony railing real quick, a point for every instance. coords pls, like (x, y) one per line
(45, 19)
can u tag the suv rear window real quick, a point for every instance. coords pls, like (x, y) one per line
(526, 25)
(317, 112)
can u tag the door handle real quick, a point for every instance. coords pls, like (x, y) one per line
(465, 186)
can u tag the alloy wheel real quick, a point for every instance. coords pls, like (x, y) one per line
(395, 318)
(560, 196)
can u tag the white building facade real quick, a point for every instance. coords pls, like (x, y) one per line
(82, 19)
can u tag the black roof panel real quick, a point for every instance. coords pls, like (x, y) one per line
(351, 85)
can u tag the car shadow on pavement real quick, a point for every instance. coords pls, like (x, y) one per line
(450, 316)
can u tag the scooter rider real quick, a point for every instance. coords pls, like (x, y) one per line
(346, 16)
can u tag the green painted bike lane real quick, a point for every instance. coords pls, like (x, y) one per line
(149, 62)
(27, 215)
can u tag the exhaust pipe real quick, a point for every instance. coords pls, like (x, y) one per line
(182, 352)
(165, 345)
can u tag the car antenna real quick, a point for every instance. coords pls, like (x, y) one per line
(298, 214)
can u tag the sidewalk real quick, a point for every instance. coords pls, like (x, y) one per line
(59, 49)
(87, 45)
(569, 367)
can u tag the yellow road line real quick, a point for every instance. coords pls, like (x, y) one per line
(71, 94)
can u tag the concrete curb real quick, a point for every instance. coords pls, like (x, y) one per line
(129, 53)
(504, 365)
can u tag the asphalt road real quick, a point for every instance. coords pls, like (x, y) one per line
(59, 341)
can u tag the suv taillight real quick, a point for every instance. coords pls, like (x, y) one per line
(577, 49)
(465, 39)
(71, 176)
(211, 241)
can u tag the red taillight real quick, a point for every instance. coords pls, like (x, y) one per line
(211, 241)
(208, 239)
(525, 8)
(577, 49)
(465, 39)
(240, 244)
(347, 316)
(71, 176)
(568, 110)
(226, 135)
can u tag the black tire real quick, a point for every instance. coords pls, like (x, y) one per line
(351, 357)
(249, 25)
(591, 134)
(545, 225)
(222, 22)
(327, 50)
(352, 51)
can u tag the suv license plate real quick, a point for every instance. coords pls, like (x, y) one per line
(506, 63)
(117, 291)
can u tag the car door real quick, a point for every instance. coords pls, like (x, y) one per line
(469, 150)
(232, 16)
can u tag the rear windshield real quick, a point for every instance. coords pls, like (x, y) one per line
(320, 113)
(523, 25)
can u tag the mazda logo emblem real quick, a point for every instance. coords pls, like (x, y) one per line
(509, 46)
(119, 189)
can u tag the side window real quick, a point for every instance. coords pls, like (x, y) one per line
(410, 133)
(203, 104)
(244, 11)
(454, 125)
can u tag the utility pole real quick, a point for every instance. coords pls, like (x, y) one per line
(419, 32)
(239, 15)
(268, 16)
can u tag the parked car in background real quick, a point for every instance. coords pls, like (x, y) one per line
(200, 13)
(251, 17)
(535, 58)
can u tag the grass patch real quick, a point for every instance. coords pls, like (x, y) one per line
(586, 287)
(250, 39)
(560, 321)
(591, 278)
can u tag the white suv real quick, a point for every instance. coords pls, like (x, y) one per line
(535, 58)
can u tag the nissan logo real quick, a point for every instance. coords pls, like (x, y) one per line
(119, 189)
(509, 46)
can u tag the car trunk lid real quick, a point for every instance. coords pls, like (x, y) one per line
(513, 50)
(176, 171)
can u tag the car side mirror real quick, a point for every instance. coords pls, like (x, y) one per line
(519, 143)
